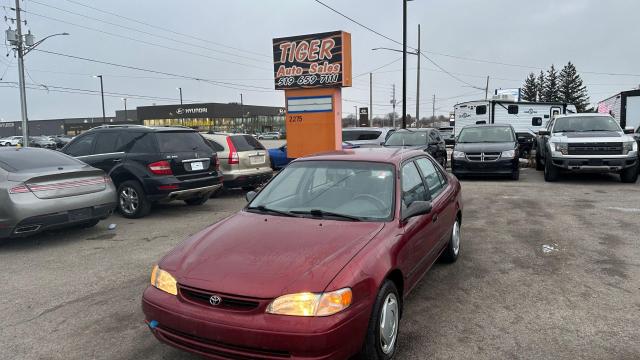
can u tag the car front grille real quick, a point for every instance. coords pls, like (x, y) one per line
(227, 302)
(595, 149)
(483, 156)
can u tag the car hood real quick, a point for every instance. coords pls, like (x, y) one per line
(263, 256)
(484, 147)
(591, 136)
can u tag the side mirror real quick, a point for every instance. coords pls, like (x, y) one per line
(416, 208)
(544, 133)
(381, 143)
(250, 196)
(629, 130)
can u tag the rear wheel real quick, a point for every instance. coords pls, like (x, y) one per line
(629, 175)
(551, 173)
(382, 333)
(197, 201)
(450, 254)
(132, 201)
(515, 175)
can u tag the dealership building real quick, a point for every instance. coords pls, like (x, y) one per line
(204, 117)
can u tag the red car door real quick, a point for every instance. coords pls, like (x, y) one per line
(419, 236)
(442, 200)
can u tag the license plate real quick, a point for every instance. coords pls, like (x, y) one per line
(197, 166)
(256, 160)
(80, 214)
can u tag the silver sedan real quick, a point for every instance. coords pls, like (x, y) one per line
(44, 189)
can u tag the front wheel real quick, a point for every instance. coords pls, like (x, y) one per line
(551, 173)
(382, 333)
(629, 175)
(539, 165)
(452, 251)
(515, 175)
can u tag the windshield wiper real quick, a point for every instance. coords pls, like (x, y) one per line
(322, 213)
(264, 209)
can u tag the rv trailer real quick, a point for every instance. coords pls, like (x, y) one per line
(504, 109)
(624, 107)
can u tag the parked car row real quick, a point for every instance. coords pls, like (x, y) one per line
(47, 142)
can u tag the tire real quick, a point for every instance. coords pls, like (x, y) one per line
(132, 201)
(444, 163)
(89, 224)
(551, 173)
(387, 299)
(539, 165)
(629, 175)
(452, 251)
(515, 175)
(197, 201)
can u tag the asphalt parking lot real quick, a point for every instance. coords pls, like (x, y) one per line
(547, 271)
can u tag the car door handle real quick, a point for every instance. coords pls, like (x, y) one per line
(117, 160)
(434, 218)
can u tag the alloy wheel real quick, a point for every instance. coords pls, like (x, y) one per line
(129, 200)
(455, 238)
(389, 318)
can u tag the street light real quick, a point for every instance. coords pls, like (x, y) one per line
(180, 90)
(104, 117)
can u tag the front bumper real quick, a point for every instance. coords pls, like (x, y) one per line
(223, 334)
(594, 164)
(498, 167)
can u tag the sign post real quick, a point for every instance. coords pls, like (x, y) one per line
(312, 69)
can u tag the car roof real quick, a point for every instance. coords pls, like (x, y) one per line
(383, 155)
(366, 128)
(488, 125)
(583, 115)
(142, 128)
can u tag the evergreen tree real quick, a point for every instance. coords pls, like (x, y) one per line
(551, 89)
(540, 86)
(529, 89)
(571, 88)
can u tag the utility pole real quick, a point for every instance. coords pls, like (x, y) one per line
(23, 90)
(126, 117)
(393, 103)
(180, 89)
(486, 89)
(355, 108)
(404, 64)
(370, 99)
(418, 82)
(242, 110)
(434, 106)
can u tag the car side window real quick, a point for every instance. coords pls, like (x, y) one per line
(432, 176)
(106, 143)
(137, 142)
(216, 146)
(412, 185)
(82, 147)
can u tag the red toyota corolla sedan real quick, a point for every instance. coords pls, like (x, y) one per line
(316, 266)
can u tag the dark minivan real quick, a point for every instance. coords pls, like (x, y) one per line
(150, 164)
(486, 150)
(426, 139)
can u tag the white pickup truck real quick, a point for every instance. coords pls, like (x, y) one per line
(587, 143)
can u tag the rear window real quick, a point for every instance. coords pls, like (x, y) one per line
(353, 135)
(181, 141)
(407, 138)
(246, 143)
(21, 160)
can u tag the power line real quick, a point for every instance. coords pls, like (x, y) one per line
(378, 68)
(182, 51)
(167, 30)
(213, 82)
(144, 32)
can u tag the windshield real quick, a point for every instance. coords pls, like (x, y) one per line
(407, 138)
(354, 135)
(489, 134)
(355, 189)
(586, 123)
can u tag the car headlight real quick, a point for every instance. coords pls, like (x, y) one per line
(508, 154)
(629, 146)
(458, 154)
(311, 304)
(560, 147)
(164, 281)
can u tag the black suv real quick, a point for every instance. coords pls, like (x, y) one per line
(150, 164)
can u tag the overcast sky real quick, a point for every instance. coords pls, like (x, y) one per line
(597, 36)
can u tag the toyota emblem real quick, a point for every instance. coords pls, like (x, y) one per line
(215, 300)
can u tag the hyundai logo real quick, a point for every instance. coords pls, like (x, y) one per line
(215, 300)
(179, 111)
